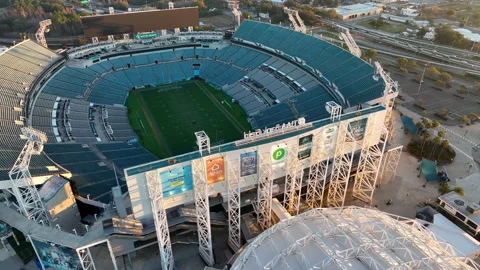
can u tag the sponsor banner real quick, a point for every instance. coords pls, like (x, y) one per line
(176, 180)
(330, 136)
(358, 128)
(278, 154)
(248, 164)
(215, 170)
(56, 257)
(305, 146)
(5, 229)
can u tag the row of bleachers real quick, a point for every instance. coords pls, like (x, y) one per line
(249, 102)
(272, 116)
(336, 64)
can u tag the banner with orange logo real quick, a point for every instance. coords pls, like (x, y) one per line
(215, 170)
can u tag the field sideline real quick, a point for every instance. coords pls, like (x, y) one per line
(165, 117)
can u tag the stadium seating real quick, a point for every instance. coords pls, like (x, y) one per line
(336, 64)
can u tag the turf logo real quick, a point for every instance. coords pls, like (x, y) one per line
(278, 154)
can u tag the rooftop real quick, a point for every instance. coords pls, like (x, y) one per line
(356, 8)
(461, 203)
(350, 238)
(51, 187)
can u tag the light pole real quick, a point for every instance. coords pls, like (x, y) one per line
(421, 80)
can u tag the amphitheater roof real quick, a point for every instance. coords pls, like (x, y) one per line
(350, 238)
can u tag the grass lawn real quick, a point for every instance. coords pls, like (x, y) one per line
(390, 27)
(165, 117)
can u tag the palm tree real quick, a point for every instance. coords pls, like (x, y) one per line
(436, 141)
(459, 190)
(419, 126)
(435, 124)
(441, 134)
(425, 137)
(426, 123)
(444, 145)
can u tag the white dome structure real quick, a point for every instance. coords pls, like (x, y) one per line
(349, 238)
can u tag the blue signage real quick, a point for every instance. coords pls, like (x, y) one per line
(248, 164)
(176, 180)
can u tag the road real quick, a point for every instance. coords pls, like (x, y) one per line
(453, 56)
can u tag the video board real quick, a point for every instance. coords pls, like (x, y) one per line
(55, 256)
(138, 22)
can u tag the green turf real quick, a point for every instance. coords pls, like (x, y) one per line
(165, 117)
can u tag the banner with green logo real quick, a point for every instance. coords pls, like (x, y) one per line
(278, 154)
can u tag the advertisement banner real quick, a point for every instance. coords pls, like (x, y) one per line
(358, 128)
(176, 180)
(56, 257)
(215, 170)
(330, 136)
(278, 154)
(305, 146)
(248, 164)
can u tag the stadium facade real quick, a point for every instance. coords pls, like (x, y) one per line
(321, 117)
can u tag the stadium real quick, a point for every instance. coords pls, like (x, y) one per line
(200, 131)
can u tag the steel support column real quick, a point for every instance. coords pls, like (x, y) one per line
(293, 181)
(86, 259)
(234, 238)
(202, 211)
(370, 160)
(264, 192)
(155, 192)
(319, 161)
(391, 163)
(342, 164)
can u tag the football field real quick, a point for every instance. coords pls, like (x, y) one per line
(166, 117)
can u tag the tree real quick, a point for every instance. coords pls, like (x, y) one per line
(459, 190)
(436, 141)
(441, 134)
(246, 3)
(465, 120)
(425, 137)
(247, 15)
(451, 13)
(120, 5)
(444, 144)
(443, 188)
(474, 116)
(444, 34)
(445, 77)
(427, 123)
(432, 72)
(406, 64)
(419, 125)
(421, 32)
(435, 124)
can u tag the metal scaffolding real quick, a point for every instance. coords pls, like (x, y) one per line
(86, 258)
(391, 163)
(295, 19)
(40, 34)
(234, 238)
(319, 161)
(28, 199)
(264, 192)
(155, 192)
(351, 44)
(293, 181)
(370, 162)
(203, 142)
(202, 211)
(391, 87)
(342, 164)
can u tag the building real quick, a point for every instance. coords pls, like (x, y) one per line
(462, 209)
(409, 12)
(349, 238)
(359, 10)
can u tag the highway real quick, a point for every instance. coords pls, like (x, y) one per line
(453, 56)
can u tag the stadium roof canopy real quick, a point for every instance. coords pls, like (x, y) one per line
(350, 238)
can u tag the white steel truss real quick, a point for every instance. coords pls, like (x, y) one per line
(203, 142)
(86, 259)
(296, 21)
(28, 199)
(155, 191)
(293, 181)
(334, 109)
(40, 34)
(391, 87)
(202, 211)
(351, 44)
(264, 192)
(331, 238)
(342, 165)
(318, 173)
(370, 162)
(234, 238)
(391, 163)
